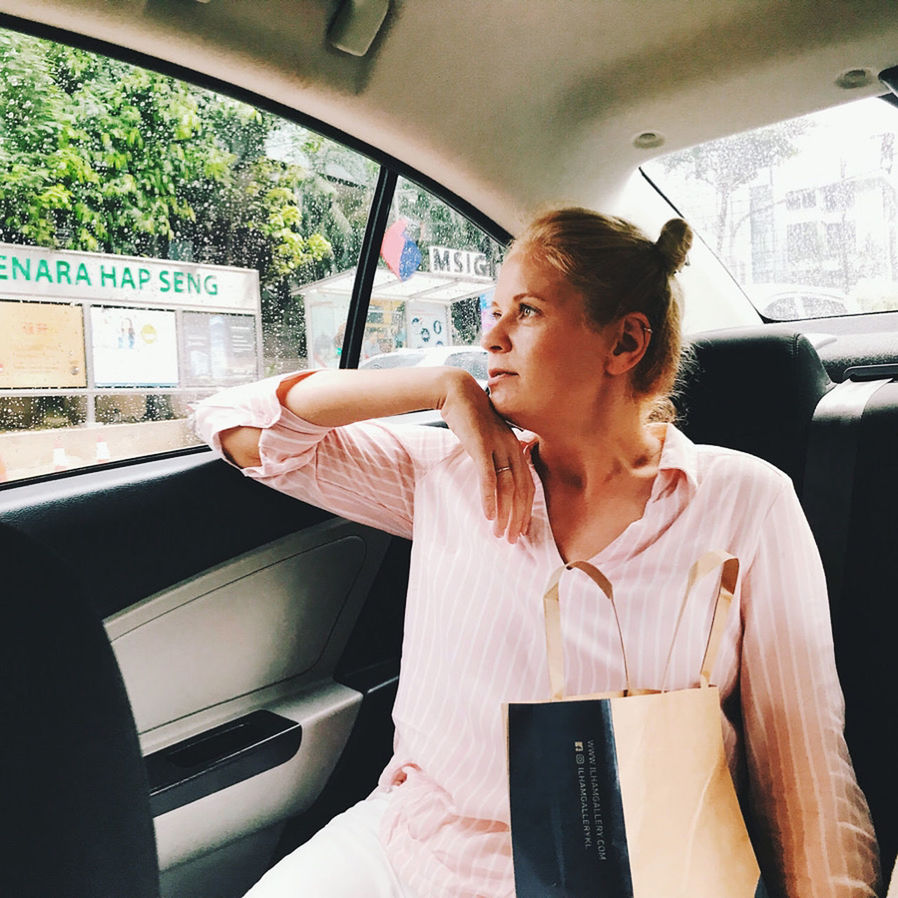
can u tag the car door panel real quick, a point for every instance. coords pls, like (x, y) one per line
(222, 598)
(326, 711)
(264, 630)
(226, 873)
(280, 612)
(131, 530)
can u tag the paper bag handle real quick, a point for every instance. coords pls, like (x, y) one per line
(552, 609)
(729, 573)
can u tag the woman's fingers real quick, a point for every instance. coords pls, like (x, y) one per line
(514, 493)
(524, 490)
(506, 484)
(505, 492)
(505, 497)
(488, 490)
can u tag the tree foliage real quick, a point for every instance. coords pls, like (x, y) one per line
(733, 162)
(102, 156)
(99, 155)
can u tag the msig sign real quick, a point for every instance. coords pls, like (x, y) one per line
(461, 262)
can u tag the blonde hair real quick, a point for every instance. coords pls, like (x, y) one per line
(619, 270)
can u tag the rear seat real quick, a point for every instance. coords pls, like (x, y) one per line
(756, 390)
(866, 621)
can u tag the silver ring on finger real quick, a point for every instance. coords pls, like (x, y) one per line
(503, 469)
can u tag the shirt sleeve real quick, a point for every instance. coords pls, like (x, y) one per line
(365, 472)
(816, 834)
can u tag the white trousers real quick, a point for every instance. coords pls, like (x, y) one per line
(343, 860)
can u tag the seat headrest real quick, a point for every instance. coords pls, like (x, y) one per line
(755, 390)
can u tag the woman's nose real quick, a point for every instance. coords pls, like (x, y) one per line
(495, 338)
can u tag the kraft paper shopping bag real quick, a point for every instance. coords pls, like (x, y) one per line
(628, 795)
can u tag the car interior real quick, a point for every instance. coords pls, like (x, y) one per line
(256, 641)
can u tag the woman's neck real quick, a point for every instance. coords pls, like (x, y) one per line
(587, 456)
(597, 485)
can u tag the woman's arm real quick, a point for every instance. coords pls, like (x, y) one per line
(818, 837)
(337, 398)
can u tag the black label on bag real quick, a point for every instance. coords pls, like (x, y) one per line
(567, 820)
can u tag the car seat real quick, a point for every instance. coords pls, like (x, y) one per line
(74, 786)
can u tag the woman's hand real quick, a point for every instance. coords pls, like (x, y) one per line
(506, 484)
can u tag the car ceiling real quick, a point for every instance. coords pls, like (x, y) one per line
(514, 104)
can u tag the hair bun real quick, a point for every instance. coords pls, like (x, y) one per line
(674, 243)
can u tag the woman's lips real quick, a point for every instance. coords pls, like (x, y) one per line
(497, 376)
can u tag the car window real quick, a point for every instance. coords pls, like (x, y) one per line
(820, 306)
(802, 213)
(158, 241)
(393, 360)
(783, 308)
(435, 278)
(473, 362)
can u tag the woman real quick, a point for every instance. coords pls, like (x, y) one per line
(583, 351)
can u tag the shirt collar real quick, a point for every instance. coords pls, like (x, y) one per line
(679, 454)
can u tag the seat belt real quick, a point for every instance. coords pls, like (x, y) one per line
(828, 487)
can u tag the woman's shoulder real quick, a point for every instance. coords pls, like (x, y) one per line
(724, 468)
(716, 465)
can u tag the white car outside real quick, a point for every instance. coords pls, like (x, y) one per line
(472, 358)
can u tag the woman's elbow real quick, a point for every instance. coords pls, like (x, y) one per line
(241, 446)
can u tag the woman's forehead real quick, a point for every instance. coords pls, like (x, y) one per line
(526, 274)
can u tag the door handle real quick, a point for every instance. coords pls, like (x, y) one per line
(220, 757)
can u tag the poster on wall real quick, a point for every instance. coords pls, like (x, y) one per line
(218, 349)
(41, 345)
(428, 325)
(133, 347)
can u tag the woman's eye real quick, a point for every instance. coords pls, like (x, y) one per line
(526, 311)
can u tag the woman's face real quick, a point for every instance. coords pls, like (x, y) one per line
(546, 361)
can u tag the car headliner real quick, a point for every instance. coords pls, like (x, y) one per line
(513, 104)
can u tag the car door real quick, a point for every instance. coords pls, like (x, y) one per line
(223, 600)
(258, 637)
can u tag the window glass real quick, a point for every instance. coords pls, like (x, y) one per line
(473, 362)
(399, 358)
(433, 284)
(803, 213)
(158, 241)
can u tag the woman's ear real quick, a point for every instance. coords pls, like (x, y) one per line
(632, 339)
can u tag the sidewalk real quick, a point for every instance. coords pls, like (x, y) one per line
(29, 453)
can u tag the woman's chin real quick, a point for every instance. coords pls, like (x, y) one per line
(500, 400)
(510, 411)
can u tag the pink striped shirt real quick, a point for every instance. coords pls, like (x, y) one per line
(475, 639)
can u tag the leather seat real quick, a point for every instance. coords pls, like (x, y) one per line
(754, 390)
(74, 787)
(867, 617)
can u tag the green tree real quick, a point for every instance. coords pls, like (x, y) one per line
(103, 156)
(731, 163)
